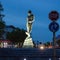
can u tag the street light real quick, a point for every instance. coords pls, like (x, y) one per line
(42, 47)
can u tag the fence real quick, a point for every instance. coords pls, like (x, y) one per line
(28, 54)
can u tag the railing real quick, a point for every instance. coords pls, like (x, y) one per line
(26, 58)
(28, 54)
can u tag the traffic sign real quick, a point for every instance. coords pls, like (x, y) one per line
(53, 26)
(53, 15)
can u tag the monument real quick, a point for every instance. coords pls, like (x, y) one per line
(28, 41)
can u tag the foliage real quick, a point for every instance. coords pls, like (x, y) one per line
(34, 44)
(2, 26)
(58, 42)
(47, 44)
(17, 35)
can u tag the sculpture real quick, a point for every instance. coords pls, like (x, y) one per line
(28, 41)
(29, 22)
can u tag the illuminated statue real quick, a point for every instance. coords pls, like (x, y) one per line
(28, 41)
(29, 21)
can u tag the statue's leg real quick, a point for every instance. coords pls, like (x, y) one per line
(30, 27)
(27, 27)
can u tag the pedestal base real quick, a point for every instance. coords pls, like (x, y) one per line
(28, 43)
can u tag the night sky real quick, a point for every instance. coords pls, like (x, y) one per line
(16, 13)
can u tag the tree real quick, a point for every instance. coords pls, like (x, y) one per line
(2, 26)
(40, 42)
(34, 44)
(17, 35)
(58, 42)
(47, 44)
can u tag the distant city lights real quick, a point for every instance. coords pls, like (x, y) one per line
(42, 47)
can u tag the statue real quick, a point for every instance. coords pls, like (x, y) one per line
(29, 22)
(28, 41)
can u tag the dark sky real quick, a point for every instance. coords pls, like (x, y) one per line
(16, 14)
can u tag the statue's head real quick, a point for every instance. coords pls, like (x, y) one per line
(29, 12)
(30, 16)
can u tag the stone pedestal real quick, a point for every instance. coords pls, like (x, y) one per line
(28, 43)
